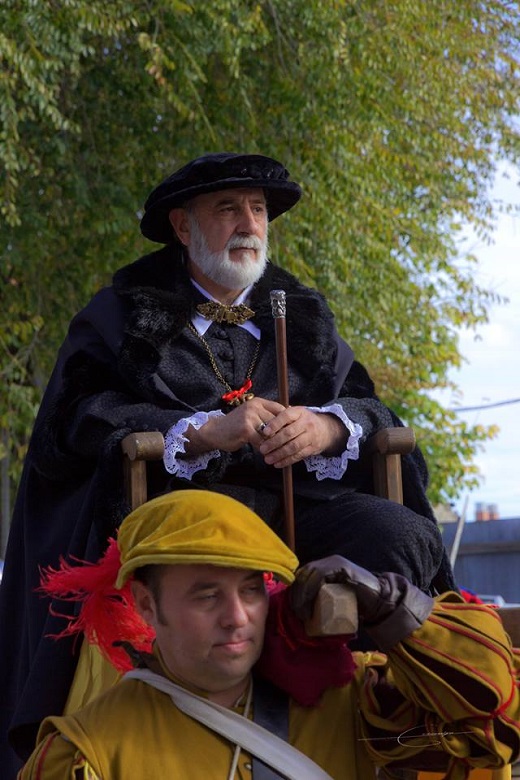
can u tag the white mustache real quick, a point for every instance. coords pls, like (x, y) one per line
(244, 242)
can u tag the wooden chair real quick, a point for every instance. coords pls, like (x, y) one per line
(336, 610)
(385, 449)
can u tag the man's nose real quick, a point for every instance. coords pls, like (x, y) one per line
(234, 612)
(248, 222)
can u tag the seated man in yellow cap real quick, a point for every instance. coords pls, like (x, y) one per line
(202, 704)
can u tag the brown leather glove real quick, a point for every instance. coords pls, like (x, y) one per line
(389, 606)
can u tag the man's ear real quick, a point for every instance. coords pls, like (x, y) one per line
(144, 602)
(180, 223)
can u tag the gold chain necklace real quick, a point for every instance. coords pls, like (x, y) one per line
(232, 397)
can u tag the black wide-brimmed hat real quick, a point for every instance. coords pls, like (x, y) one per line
(211, 173)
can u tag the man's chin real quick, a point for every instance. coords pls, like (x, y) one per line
(240, 279)
(243, 255)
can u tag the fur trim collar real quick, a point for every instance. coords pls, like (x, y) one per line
(161, 301)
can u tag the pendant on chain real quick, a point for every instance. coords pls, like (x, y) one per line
(231, 397)
(240, 396)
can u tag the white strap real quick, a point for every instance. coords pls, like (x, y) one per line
(269, 748)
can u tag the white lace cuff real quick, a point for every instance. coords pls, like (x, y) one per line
(175, 441)
(334, 467)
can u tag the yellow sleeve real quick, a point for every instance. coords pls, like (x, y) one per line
(451, 687)
(57, 758)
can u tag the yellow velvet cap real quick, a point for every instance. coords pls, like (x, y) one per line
(198, 526)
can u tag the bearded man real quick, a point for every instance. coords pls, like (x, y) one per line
(161, 350)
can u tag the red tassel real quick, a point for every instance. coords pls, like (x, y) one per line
(106, 615)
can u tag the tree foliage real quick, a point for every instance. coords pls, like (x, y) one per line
(392, 115)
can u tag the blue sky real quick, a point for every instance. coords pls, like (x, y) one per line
(492, 371)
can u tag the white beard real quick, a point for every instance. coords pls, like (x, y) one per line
(219, 267)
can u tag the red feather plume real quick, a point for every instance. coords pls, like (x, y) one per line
(106, 615)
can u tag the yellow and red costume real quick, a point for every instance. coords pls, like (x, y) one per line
(449, 689)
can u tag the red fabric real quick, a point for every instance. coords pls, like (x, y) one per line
(302, 666)
(470, 597)
(107, 615)
(43, 756)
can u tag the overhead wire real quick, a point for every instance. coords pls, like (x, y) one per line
(484, 406)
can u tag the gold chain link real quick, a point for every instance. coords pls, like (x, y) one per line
(213, 362)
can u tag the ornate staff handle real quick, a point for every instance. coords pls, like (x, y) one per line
(278, 309)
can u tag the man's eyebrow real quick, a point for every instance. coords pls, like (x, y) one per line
(222, 201)
(255, 573)
(232, 199)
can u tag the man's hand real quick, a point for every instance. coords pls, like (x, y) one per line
(389, 606)
(296, 433)
(282, 435)
(232, 431)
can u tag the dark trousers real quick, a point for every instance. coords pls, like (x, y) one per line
(373, 532)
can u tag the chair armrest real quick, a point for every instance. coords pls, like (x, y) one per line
(391, 441)
(386, 448)
(145, 445)
(138, 448)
